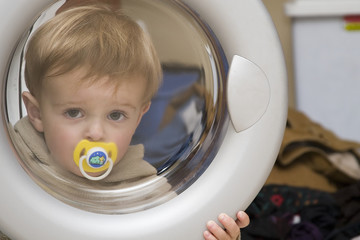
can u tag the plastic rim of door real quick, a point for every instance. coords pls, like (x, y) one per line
(243, 161)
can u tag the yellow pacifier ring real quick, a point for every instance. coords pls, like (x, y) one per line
(94, 157)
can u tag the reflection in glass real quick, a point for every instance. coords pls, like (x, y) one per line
(184, 127)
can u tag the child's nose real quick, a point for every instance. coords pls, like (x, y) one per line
(95, 131)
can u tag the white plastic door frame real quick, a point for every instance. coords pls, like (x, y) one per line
(229, 184)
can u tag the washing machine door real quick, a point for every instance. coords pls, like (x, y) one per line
(248, 82)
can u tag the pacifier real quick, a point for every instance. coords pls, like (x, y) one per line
(93, 157)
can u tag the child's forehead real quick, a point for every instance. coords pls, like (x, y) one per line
(81, 78)
(84, 75)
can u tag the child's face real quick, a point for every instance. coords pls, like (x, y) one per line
(70, 112)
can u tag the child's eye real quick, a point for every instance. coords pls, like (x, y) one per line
(73, 113)
(116, 116)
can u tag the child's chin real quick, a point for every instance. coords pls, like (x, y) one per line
(96, 174)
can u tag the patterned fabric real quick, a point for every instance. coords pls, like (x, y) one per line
(285, 212)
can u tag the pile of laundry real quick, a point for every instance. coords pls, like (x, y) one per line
(313, 191)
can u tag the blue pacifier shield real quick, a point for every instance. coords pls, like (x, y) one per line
(97, 159)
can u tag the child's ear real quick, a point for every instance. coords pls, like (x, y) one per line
(33, 110)
(144, 109)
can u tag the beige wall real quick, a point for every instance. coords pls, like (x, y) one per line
(283, 26)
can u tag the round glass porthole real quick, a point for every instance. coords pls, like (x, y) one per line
(183, 129)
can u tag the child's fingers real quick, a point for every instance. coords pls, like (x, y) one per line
(215, 232)
(231, 227)
(243, 219)
(209, 236)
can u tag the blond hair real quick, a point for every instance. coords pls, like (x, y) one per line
(105, 42)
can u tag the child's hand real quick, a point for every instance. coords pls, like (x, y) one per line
(232, 227)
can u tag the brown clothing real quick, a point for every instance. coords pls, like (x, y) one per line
(312, 156)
